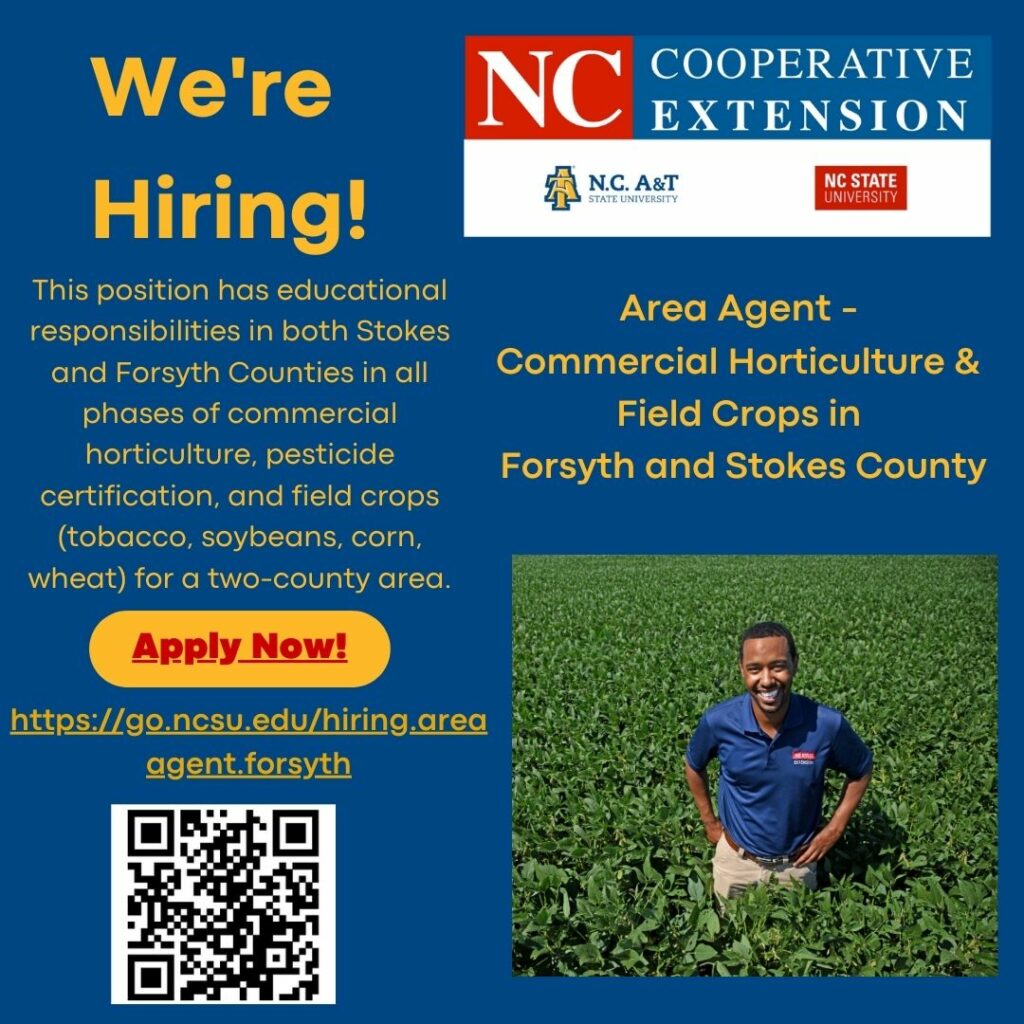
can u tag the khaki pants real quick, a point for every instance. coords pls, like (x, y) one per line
(733, 873)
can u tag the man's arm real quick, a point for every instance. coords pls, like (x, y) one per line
(853, 791)
(698, 783)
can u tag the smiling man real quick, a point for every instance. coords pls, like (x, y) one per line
(773, 747)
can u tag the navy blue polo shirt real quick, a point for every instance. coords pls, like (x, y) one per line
(770, 791)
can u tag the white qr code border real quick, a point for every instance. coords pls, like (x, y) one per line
(125, 849)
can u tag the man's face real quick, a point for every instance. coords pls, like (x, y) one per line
(768, 669)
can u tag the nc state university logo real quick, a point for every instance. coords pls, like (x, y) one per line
(549, 87)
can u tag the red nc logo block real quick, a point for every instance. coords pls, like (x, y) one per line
(549, 87)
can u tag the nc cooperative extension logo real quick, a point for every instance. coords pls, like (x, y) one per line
(621, 87)
(628, 134)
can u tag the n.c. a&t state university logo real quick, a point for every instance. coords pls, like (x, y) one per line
(561, 189)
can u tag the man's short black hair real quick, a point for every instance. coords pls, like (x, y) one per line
(763, 629)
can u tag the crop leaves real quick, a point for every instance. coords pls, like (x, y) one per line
(614, 661)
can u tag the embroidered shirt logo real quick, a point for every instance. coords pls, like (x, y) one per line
(804, 756)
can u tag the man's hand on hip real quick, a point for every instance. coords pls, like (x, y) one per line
(818, 846)
(713, 830)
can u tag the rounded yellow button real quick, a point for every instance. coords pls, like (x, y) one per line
(239, 649)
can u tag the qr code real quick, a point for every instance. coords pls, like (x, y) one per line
(224, 904)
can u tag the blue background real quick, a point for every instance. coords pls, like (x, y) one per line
(423, 830)
(975, 91)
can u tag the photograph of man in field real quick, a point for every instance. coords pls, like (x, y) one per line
(830, 757)
(774, 747)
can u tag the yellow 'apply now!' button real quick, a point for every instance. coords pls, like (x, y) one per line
(239, 649)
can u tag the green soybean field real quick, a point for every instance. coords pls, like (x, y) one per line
(614, 661)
